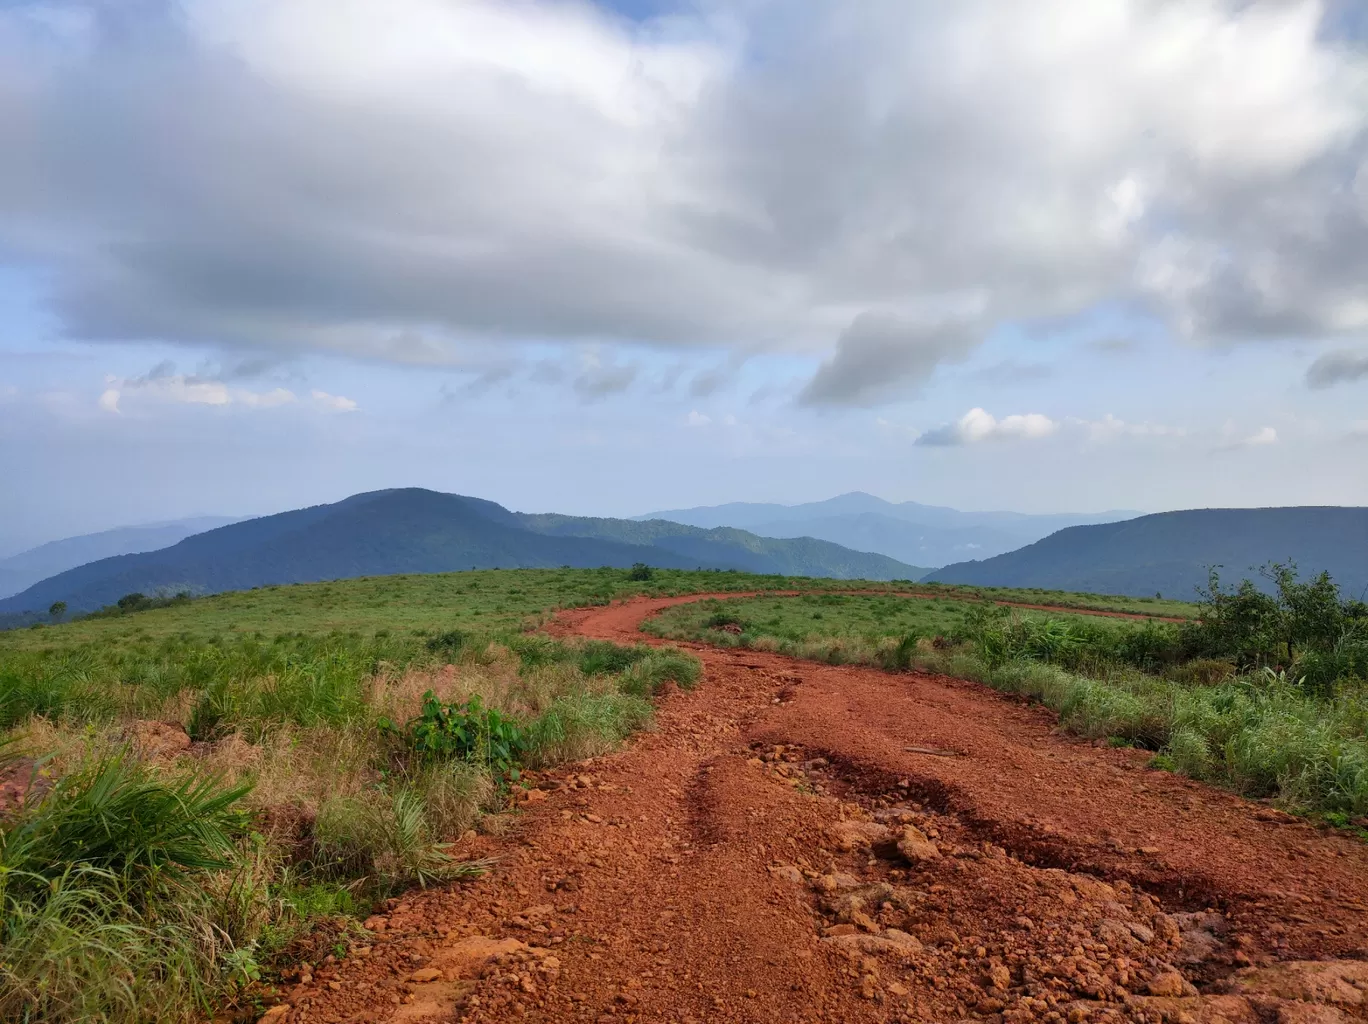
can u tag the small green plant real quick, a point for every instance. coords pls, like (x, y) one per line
(898, 657)
(449, 643)
(640, 572)
(601, 657)
(385, 839)
(468, 731)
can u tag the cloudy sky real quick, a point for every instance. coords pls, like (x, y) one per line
(604, 258)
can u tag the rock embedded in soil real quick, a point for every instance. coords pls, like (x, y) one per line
(914, 845)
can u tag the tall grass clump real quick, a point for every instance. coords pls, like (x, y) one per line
(585, 725)
(648, 674)
(108, 911)
(387, 839)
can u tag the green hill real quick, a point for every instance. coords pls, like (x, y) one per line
(1170, 552)
(419, 531)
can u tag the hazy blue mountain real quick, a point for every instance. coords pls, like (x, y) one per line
(907, 531)
(1169, 552)
(414, 530)
(21, 571)
(800, 556)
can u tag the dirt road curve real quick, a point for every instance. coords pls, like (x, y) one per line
(774, 852)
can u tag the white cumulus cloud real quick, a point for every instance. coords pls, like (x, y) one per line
(1110, 427)
(1260, 438)
(163, 384)
(333, 403)
(978, 425)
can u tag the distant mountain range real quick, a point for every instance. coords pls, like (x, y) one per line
(907, 531)
(1169, 552)
(21, 571)
(417, 531)
(414, 531)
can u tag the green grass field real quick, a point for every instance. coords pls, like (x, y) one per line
(330, 741)
(487, 600)
(823, 619)
(218, 781)
(1160, 606)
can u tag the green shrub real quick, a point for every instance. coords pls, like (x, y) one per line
(1190, 752)
(898, 656)
(534, 651)
(452, 793)
(449, 643)
(1096, 709)
(79, 954)
(1202, 672)
(111, 905)
(469, 731)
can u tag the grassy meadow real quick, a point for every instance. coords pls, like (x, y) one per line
(1260, 695)
(831, 627)
(1164, 607)
(216, 788)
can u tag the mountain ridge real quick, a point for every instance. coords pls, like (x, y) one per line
(907, 531)
(20, 571)
(1170, 552)
(416, 530)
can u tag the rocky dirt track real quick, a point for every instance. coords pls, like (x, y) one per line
(774, 851)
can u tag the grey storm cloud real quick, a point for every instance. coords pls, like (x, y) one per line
(595, 381)
(1337, 368)
(708, 382)
(257, 173)
(881, 354)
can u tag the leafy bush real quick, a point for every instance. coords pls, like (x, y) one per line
(117, 817)
(640, 572)
(1300, 622)
(469, 731)
(898, 657)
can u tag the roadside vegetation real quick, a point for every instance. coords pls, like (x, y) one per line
(485, 600)
(198, 792)
(187, 812)
(1159, 605)
(1265, 693)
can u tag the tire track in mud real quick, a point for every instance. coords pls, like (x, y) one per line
(773, 853)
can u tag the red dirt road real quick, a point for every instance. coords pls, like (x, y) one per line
(772, 852)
